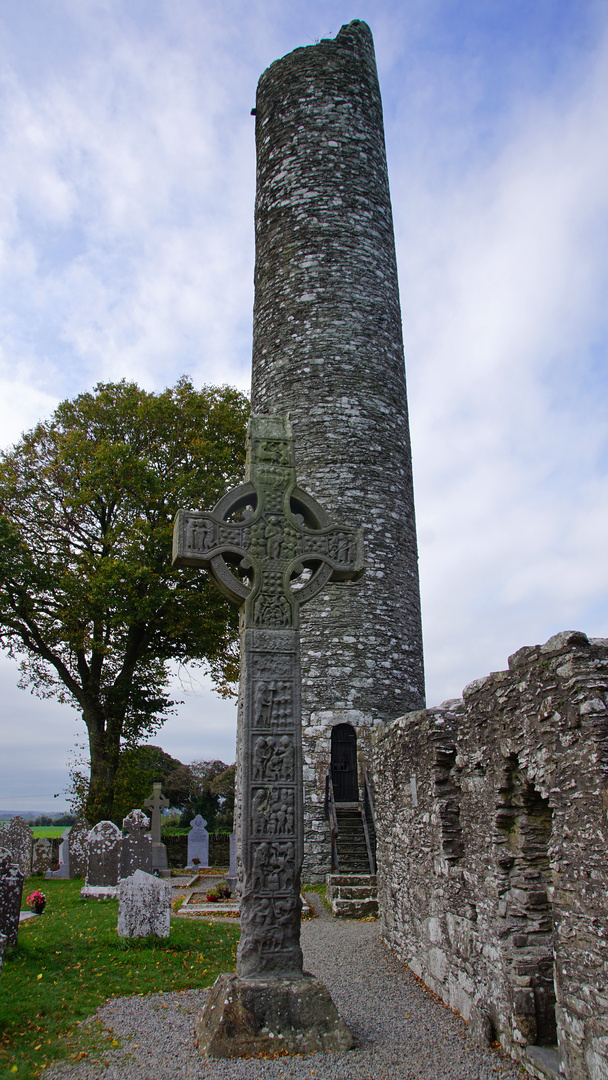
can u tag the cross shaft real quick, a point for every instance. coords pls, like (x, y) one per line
(270, 548)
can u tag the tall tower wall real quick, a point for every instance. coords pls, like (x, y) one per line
(328, 349)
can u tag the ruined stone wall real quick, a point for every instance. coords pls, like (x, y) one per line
(328, 349)
(493, 852)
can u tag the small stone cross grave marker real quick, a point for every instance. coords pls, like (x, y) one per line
(270, 548)
(157, 803)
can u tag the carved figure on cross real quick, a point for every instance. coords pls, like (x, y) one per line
(268, 544)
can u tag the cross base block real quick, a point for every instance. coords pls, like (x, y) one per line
(270, 1016)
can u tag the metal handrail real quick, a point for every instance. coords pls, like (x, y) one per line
(330, 803)
(370, 797)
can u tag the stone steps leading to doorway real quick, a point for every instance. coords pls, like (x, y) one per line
(352, 896)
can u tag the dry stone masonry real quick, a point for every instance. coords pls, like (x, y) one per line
(328, 349)
(493, 840)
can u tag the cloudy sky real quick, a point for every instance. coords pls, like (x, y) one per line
(126, 249)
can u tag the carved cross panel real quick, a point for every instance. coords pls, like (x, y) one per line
(269, 545)
(270, 548)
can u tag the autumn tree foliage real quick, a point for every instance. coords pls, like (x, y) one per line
(89, 602)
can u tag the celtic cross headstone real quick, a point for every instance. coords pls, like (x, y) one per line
(270, 548)
(157, 803)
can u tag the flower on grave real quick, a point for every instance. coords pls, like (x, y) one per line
(223, 890)
(213, 896)
(196, 861)
(35, 898)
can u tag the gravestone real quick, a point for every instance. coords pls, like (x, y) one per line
(144, 906)
(157, 803)
(42, 857)
(231, 879)
(103, 842)
(198, 842)
(18, 838)
(286, 550)
(77, 848)
(11, 888)
(136, 848)
(64, 858)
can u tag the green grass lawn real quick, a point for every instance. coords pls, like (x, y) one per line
(48, 830)
(70, 959)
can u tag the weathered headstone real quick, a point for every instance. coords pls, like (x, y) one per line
(2, 950)
(103, 842)
(64, 858)
(136, 848)
(273, 530)
(43, 855)
(231, 879)
(144, 906)
(77, 848)
(18, 838)
(11, 888)
(198, 842)
(157, 803)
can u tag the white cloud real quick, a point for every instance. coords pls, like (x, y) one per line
(504, 274)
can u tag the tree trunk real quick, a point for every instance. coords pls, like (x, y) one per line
(104, 748)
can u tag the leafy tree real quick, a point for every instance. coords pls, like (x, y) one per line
(210, 792)
(139, 767)
(89, 600)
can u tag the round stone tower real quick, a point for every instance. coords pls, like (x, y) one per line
(328, 350)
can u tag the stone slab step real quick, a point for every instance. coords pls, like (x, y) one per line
(354, 892)
(351, 879)
(354, 909)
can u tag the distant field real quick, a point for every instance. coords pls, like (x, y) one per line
(48, 830)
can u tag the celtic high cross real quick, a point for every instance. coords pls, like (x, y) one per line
(270, 548)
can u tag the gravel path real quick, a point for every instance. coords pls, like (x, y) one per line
(402, 1031)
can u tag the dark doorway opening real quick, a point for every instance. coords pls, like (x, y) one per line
(344, 763)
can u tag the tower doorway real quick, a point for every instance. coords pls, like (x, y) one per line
(344, 763)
